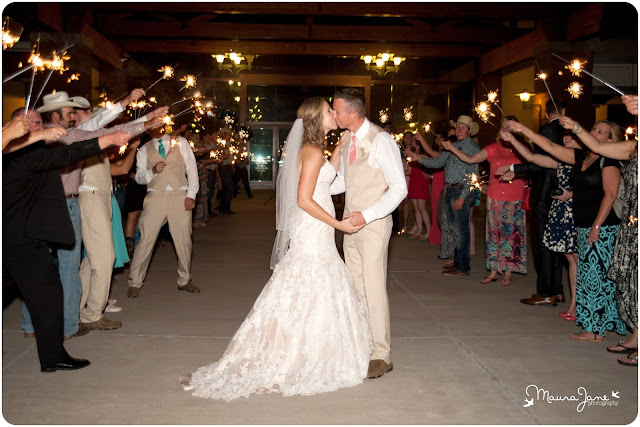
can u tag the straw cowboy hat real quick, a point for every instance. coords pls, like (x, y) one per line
(82, 101)
(468, 121)
(56, 101)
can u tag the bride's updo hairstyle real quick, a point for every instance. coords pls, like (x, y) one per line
(311, 114)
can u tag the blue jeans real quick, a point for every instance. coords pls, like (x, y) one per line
(68, 266)
(459, 222)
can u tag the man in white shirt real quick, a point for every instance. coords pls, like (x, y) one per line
(167, 166)
(372, 178)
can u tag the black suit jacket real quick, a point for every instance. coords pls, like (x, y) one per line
(33, 201)
(543, 180)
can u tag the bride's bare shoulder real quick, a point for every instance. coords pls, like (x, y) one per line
(311, 153)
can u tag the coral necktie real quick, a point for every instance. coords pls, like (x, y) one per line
(352, 150)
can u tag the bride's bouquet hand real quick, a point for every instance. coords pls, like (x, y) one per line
(347, 226)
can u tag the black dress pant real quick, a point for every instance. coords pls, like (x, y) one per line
(30, 265)
(226, 175)
(548, 263)
(241, 174)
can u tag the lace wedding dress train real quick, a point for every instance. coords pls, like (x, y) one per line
(307, 332)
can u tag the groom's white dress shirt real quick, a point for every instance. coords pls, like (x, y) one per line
(384, 154)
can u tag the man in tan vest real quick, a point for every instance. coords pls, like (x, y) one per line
(167, 166)
(371, 176)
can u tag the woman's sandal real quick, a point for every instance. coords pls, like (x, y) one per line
(629, 360)
(611, 348)
(505, 282)
(488, 279)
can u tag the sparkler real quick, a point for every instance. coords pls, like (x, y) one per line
(632, 220)
(575, 90)
(543, 76)
(627, 132)
(483, 110)
(408, 114)
(427, 128)
(8, 38)
(190, 81)
(38, 65)
(123, 148)
(492, 97)
(167, 73)
(384, 115)
(475, 182)
(33, 58)
(591, 75)
(575, 67)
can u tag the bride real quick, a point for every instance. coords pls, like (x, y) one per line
(307, 331)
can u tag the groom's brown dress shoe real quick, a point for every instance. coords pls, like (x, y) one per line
(539, 300)
(378, 368)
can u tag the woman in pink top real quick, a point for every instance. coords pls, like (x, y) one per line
(505, 235)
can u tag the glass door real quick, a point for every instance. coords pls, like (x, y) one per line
(266, 148)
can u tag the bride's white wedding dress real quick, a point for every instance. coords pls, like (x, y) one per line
(307, 332)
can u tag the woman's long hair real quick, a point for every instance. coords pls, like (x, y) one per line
(311, 114)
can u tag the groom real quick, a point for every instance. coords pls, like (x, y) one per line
(371, 174)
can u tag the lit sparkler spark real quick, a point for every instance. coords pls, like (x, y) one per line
(193, 146)
(384, 115)
(8, 39)
(632, 220)
(123, 148)
(627, 132)
(167, 71)
(73, 77)
(575, 90)
(475, 182)
(168, 120)
(492, 97)
(37, 61)
(542, 76)
(408, 114)
(575, 67)
(57, 63)
(190, 81)
(483, 110)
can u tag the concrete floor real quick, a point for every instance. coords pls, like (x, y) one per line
(463, 352)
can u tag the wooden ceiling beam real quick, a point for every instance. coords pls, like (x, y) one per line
(209, 30)
(298, 48)
(584, 22)
(402, 9)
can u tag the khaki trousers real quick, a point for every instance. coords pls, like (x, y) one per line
(159, 208)
(97, 266)
(365, 254)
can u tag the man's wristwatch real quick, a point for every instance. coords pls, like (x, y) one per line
(511, 169)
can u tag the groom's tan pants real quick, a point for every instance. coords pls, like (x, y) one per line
(365, 254)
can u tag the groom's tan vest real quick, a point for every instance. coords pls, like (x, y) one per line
(173, 173)
(364, 184)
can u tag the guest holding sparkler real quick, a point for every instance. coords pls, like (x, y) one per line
(437, 185)
(548, 264)
(624, 263)
(418, 190)
(560, 231)
(458, 196)
(595, 181)
(168, 167)
(505, 233)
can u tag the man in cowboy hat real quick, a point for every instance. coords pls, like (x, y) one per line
(58, 109)
(458, 196)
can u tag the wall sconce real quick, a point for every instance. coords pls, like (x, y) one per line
(383, 63)
(235, 63)
(525, 96)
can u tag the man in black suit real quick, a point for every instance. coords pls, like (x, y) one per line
(548, 264)
(34, 212)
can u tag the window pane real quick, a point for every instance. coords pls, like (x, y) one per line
(261, 155)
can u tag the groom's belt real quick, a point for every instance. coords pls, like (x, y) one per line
(452, 184)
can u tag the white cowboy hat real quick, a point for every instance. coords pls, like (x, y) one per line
(56, 101)
(82, 101)
(468, 121)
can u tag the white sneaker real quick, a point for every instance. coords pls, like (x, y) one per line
(112, 308)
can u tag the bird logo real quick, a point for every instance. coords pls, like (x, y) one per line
(528, 403)
(615, 394)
